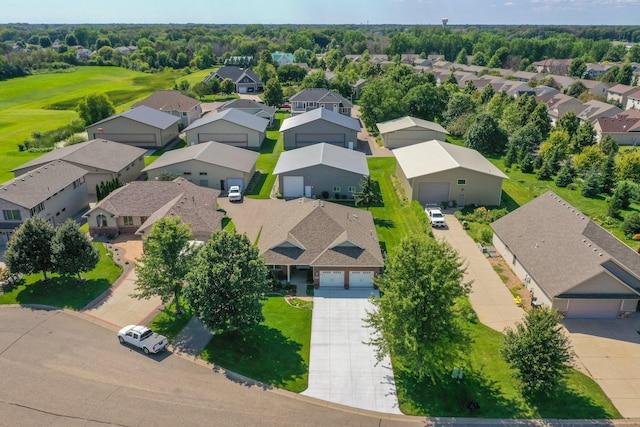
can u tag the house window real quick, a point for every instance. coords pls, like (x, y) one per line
(462, 182)
(352, 189)
(203, 173)
(128, 220)
(101, 221)
(184, 114)
(12, 215)
(336, 189)
(143, 219)
(37, 209)
(312, 104)
(186, 173)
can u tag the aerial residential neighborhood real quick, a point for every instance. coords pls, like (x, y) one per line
(323, 211)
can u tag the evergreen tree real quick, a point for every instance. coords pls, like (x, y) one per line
(71, 250)
(512, 156)
(526, 166)
(624, 192)
(29, 250)
(609, 146)
(614, 206)
(608, 175)
(367, 196)
(585, 136)
(591, 184)
(545, 173)
(565, 175)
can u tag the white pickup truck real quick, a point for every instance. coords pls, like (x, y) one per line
(436, 217)
(143, 338)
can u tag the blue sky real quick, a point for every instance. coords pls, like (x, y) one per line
(550, 12)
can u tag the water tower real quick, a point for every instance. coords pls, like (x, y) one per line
(444, 21)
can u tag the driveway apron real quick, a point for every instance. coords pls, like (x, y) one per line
(342, 368)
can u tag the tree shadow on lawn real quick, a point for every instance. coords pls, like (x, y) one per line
(61, 291)
(447, 397)
(567, 404)
(263, 354)
(384, 223)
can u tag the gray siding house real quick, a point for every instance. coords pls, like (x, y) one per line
(567, 261)
(318, 168)
(310, 99)
(436, 172)
(211, 164)
(246, 80)
(320, 125)
(55, 191)
(233, 127)
(103, 160)
(140, 127)
(408, 131)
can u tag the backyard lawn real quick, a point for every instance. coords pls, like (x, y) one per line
(65, 291)
(275, 352)
(272, 146)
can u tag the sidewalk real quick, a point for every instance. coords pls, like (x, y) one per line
(489, 297)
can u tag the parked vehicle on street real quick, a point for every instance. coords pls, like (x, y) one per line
(436, 217)
(144, 338)
(235, 194)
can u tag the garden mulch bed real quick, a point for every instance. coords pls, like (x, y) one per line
(510, 280)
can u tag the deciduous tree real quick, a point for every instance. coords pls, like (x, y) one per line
(273, 94)
(415, 318)
(485, 135)
(71, 250)
(167, 258)
(227, 283)
(539, 351)
(94, 108)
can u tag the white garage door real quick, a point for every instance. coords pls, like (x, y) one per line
(433, 192)
(293, 186)
(360, 279)
(593, 308)
(329, 279)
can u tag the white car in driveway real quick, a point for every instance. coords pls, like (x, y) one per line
(235, 194)
(436, 217)
(143, 338)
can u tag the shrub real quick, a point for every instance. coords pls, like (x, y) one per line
(325, 194)
(486, 235)
(631, 225)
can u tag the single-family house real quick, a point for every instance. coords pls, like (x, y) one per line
(567, 261)
(174, 103)
(252, 107)
(561, 104)
(233, 127)
(408, 131)
(562, 81)
(358, 86)
(330, 244)
(517, 89)
(320, 169)
(246, 80)
(620, 93)
(595, 109)
(545, 93)
(310, 99)
(525, 76)
(596, 87)
(210, 164)
(553, 66)
(283, 58)
(134, 208)
(103, 160)
(623, 127)
(320, 125)
(436, 172)
(54, 191)
(597, 70)
(633, 100)
(142, 127)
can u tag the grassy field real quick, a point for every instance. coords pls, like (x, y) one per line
(168, 323)
(489, 381)
(269, 154)
(276, 352)
(45, 102)
(65, 291)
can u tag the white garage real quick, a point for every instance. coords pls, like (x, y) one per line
(236, 139)
(235, 181)
(305, 139)
(332, 279)
(293, 186)
(360, 279)
(433, 192)
(232, 127)
(593, 309)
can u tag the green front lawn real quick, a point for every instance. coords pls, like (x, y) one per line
(65, 291)
(270, 151)
(276, 352)
(169, 324)
(489, 381)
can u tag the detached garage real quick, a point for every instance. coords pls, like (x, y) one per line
(408, 131)
(142, 127)
(231, 127)
(317, 126)
(568, 262)
(434, 172)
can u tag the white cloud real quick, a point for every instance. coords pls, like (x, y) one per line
(509, 3)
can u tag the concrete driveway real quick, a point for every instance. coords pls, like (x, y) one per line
(609, 350)
(342, 369)
(248, 215)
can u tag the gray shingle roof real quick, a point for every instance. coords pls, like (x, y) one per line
(156, 199)
(320, 95)
(560, 247)
(168, 100)
(236, 73)
(32, 188)
(97, 153)
(316, 233)
(246, 104)
(320, 114)
(408, 122)
(146, 115)
(213, 153)
(322, 154)
(594, 109)
(238, 117)
(437, 156)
